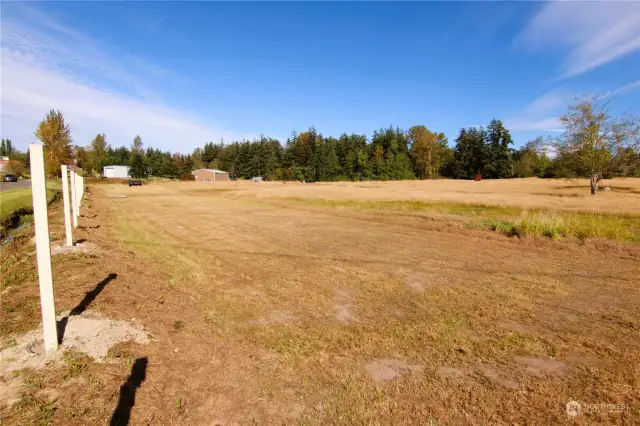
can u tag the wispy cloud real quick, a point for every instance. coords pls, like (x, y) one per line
(47, 65)
(595, 33)
(622, 90)
(542, 114)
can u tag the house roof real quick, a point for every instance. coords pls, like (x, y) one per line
(211, 170)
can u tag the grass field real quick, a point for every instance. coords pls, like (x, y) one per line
(354, 303)
(20, 201)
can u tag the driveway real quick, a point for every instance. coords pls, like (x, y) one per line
(6, 186)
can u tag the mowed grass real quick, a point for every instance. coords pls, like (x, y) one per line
(530, 193)
(15, 203)
(506, 219)
(327, 296)
(266, 309)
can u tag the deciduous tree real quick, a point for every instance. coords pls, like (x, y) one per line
(594, 139)
(56, 138)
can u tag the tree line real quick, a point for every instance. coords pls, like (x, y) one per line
(595, 144)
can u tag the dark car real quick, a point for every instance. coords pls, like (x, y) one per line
(135, 182)
(10, 178)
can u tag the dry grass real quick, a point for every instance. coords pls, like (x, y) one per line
(566, 195)
(270, 310)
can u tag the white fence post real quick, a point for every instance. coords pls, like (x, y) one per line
(65, 199)
(74, 200)
(43, 249)
(81, 190)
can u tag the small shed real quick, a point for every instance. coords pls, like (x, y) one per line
(210, 175)
(121, 172)
(4, 161)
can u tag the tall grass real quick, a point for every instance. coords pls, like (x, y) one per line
(509, 220)
(554, 224)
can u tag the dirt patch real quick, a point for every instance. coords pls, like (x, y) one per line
(398, 313)
(10, 390)
(77, 248)
(445, 372)
(496, 376)
(276, 317)
(415, 283)
(88, 332)
(256, 293)
(514, 326)
(342, 302)
(382, 370)
(540, 367)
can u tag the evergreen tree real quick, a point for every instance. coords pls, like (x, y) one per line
(137, 168)
(469, 153)
(499, 162)
(136, 146)
(99, 152)
(3, 148)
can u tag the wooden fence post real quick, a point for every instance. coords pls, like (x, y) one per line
(43, 249)
(65, 199)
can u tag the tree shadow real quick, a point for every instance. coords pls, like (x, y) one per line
(84, 303)
(127, 400)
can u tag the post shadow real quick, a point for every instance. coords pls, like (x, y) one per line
(127, 400)
(84, 303)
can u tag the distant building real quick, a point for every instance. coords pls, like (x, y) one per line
(115, 172)
(210, 175)
(4, 161)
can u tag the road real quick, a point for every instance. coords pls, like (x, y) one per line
(5, 186)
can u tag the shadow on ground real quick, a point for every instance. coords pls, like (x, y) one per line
(127, 400)
(84, 303)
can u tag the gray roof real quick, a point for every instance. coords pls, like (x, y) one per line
(211, 170)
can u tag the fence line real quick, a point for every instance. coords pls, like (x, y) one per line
(43, 247)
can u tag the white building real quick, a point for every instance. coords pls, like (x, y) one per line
(3, 163)
(115, 172)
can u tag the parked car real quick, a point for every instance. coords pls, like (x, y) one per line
(135, 182)
(10, 178)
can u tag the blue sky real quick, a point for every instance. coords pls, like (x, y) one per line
(181, 74)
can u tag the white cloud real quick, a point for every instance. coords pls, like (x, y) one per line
(47, 65)
(622, 90)
(594, 32)
(541, 114)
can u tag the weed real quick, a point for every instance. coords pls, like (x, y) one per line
(119, 352)
(180, 403)
(78, 364)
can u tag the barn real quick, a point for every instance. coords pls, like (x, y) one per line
(210, 175)
(115, 172)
